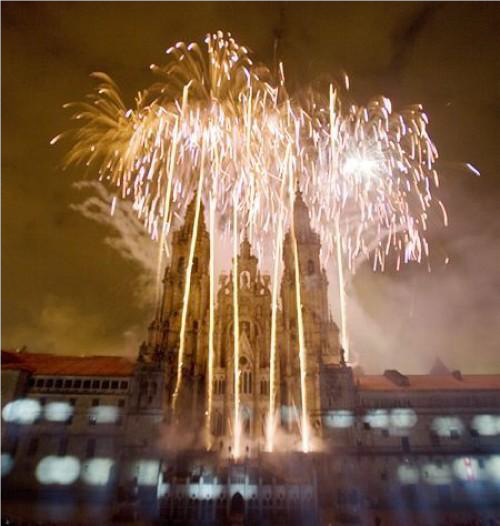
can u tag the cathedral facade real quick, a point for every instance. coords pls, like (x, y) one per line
(254, 300)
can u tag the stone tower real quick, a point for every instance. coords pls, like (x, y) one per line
(320, 332)
(166, 329)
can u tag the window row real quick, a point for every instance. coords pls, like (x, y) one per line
(59, 383)
(220, 387)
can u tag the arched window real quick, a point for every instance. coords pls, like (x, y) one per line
(310, 267)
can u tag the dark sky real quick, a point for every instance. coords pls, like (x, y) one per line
(66, 291)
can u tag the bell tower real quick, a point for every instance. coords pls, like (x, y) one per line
(167, 328)
(320, 332)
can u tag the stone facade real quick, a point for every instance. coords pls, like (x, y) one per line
(254, 292)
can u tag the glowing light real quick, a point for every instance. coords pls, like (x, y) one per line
(444, 425)
(7, 464)
(304, 427)
(403, 418)
(377, 418)
(58, 470)
(96, 472)
(437, 474)
(408, 474)
(236, 337)
(466, 468)
(486, 425)
(23, 411)
(211, 325)
(104, 414)
(187, 285)
(493, 468)
(58, 411)
(147, 472)
(341, 419)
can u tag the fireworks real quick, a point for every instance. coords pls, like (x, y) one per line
(224, 129)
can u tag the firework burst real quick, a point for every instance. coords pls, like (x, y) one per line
(225, 130)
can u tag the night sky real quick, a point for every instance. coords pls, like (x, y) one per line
(65, 290)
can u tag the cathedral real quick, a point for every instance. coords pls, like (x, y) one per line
(254, 293)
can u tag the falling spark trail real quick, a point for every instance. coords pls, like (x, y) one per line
(271, 424)
(344, 340)
(164, 228)
(300, 323)
(187, 285)
(236, 333)
(211, 350)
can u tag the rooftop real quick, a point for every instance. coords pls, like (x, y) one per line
(54, 364)
(433, 382)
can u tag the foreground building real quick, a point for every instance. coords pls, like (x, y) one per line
(94, 439)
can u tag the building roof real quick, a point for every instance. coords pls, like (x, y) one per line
(60, 365)
(434, 382)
